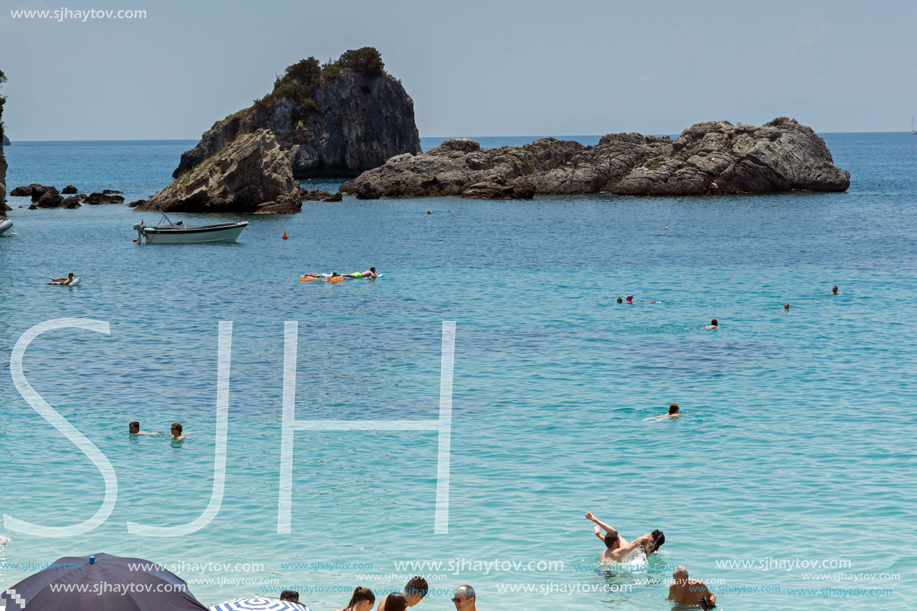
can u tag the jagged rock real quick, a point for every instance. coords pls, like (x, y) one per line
(6, 141)
(251, 175)
(94, 199)
(336, 197)
(136, 203)
(352, 121)
(109, 191)
(314, 195)
(69, 190)
(711, 157)
(50, 199)
(24, 191)
(71, 202)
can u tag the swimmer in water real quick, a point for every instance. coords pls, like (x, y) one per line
(834, 290)
(620, 300)
(176, 431)
(630, 299)
(786, 306)
(673, 411)
(4, 540)
(713, 325)
(690, 592)
(134, 428)
(617, 549)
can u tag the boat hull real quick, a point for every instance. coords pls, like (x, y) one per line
(192, 235)
(5, 224)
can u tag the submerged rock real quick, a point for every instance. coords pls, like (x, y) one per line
(251, 175)
(335, 120)
(711, 157)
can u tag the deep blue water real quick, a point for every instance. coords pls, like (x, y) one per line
(796, 444)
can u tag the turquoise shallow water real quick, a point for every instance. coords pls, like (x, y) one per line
(796, 444)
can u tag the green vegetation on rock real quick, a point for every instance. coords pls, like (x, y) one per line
(299, 81)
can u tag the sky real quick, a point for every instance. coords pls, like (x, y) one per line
(473, 68)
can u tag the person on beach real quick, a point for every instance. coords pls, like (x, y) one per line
(64, 281)
(176, 431)
(713, 325)
(362, 599)
(134, 428)
(464, 598)
(690, 592)
(673, 411)
(617, 549)
(371, 273)
(414, 591)
(834, 290)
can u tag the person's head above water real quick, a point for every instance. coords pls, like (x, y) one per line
(786, 306)
(290, 596)
(362, 599)
(630, 298)
(372, 269)
(620, 300)
(415, 590)
(70, 276)
(134, 427)
(714, 323)
(834, 290)
(673, 409)
(176, 429)
(681, 575)
(611, 538)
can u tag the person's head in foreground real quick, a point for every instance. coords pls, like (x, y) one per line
(464, 598)
(372, 269)
(290, 596)
(176, 430)
(611, 539)
(134, 427)
(673, 409)
(834, 290)
(396, 601)
(362, 599)
(415, 590)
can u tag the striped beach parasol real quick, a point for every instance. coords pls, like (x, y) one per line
(259, 604)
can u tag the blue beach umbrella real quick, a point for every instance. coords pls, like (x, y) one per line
(100, 583)
(259, 604)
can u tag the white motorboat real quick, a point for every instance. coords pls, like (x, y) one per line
(5, 224)
(179, 233)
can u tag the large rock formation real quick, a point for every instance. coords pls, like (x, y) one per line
(335, 120)
(6, 141)
(251, 175)
(711, 157)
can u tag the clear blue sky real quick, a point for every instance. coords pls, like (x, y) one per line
(473, 68)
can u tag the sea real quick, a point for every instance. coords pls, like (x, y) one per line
(787, 482)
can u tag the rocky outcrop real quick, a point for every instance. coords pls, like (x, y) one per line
(711, 157)
(6, 141)
(94, 199)
(251, 175)
(336, 120)
(50, 199)
(69, 190)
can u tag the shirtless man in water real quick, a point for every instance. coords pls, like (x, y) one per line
(689, 592)
(616, 547)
